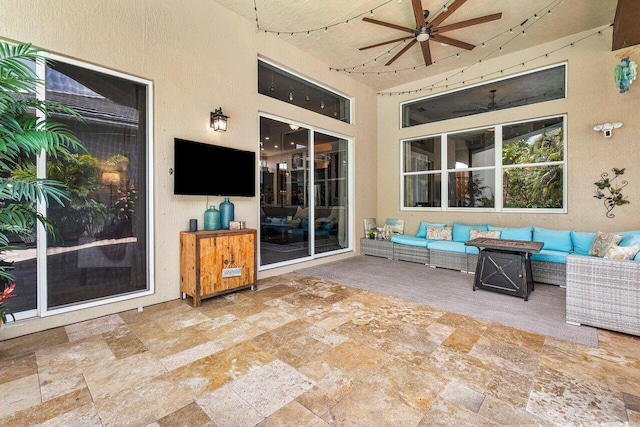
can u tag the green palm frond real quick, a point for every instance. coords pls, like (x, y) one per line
(27, 129)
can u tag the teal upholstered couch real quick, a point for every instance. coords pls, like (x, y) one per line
(292, 223)
(549, 265)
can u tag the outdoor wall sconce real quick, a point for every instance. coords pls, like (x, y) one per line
(219, 120)
(607, 128)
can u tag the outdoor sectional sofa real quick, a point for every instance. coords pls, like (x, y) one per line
(600, 292)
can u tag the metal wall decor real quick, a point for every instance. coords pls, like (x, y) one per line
(613, 188)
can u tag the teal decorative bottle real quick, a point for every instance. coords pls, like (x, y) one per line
(226, 213)
(212, 218)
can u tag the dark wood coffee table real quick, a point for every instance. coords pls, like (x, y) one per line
(505, 265)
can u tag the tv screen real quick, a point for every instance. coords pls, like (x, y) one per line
(211, 170)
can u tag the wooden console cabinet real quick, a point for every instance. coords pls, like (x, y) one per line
(217, 262)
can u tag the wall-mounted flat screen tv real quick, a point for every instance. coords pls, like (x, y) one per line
(210, 170)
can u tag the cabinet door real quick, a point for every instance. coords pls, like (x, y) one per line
(226, 252)
(212, 256)
(241, 250)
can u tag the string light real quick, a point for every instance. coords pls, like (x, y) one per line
(322, 27)
(440, 85)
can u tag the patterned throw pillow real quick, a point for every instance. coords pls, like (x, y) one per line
(622, 252)
(439, 233)
(489, 234)
(602, 242)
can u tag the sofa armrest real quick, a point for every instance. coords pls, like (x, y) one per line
(604, 293)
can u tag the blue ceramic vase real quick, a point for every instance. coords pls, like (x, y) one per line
(226, 213)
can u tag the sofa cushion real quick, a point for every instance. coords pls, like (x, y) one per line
(472, 250)
(602, 242)
(582, 241)
(447, 245)
(554, 240)
(622, 252)
(489, 234)
(461, 231)
(422, 230)
(438, 233)
(407, 239)
(630, 238)
(550, 256)
(522, 233)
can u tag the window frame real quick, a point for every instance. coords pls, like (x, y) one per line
(498, 170)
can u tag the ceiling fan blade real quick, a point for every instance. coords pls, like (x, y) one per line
(418, 13)
(444, 15)
(470, 22)
(426, 53)
(452, 42)
(404, 49)
(383, 43)
(389, 25)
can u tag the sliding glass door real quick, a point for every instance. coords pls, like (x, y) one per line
(303, 192)
(100, 250)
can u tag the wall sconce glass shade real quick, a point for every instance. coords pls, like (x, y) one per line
(219, 120)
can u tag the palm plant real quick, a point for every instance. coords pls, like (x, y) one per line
(26, 130)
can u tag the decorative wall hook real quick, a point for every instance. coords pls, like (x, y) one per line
(607, 128)
(615, 197)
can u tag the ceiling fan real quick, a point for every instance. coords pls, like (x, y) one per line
(430, 31)
(491, 106)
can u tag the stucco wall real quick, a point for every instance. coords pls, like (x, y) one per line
(200, 56)
(592, 99)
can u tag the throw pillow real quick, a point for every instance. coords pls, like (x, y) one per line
(294, 223)
(461, 230)
(422, 230)
(622, 252)
(302, 212)
(489, 234)
(602, 242)
(439, 233)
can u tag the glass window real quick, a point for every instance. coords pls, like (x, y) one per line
(422, 164)
(472, 189)
(471, 149)
(529, 174)
(533, 158)
(100, 249)
(530, 88)
(279, 84)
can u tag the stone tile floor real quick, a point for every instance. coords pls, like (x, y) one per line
(300, 351)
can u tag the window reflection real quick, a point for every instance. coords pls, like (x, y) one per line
(530, 88)
(277, 83)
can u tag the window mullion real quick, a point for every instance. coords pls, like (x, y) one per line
(41, 206)
(498, 162)
(444, 193)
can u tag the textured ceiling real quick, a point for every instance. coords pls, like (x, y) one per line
(338, 45)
